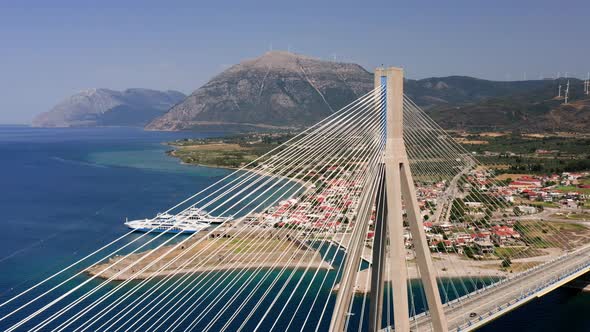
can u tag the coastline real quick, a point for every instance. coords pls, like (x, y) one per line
(170, 153)
(208, 251)
(115, 266)
(448, 265)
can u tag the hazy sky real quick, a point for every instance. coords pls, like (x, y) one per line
(51, 49)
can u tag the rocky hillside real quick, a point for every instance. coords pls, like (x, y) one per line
(278, 89)
(104, 107)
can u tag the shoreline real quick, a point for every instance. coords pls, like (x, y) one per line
(170, 153)
(448, 265)
(209, 252)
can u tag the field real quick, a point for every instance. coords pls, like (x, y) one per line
(566, 189)
(511, 176)
(470, 142)
(517, 252)
(217, 155)
(544, 234)
(514, 154)
(543, 204)
(582, 216)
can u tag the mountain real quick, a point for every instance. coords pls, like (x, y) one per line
(281, 89)
(455, 90)
(104, 107)
(278, 89)
(532, 109)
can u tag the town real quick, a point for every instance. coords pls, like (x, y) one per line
(486, 221)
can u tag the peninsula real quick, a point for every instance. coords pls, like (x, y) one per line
(222, 249)
(227, 152)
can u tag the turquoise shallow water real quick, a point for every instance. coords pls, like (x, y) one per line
(65, 192)
(150, 158)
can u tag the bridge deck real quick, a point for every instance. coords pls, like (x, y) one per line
(505, 296)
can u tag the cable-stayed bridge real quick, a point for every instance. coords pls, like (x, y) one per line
(373, 219)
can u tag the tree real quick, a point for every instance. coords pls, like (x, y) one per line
(469, 252)
(506, 263)
(458, 210)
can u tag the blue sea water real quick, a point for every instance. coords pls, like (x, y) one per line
(66, 192)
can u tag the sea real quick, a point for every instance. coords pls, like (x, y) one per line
(66, 192)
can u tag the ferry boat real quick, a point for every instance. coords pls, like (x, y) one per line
(196, 214)
(190, 221)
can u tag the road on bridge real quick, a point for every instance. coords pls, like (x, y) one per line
(510, 293)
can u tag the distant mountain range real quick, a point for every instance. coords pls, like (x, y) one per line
(286, 90)
(281, 89)
(104, 107)
(527, 106)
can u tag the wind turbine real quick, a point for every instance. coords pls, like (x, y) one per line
(567, 91)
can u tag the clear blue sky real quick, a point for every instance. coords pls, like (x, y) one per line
(51, 49)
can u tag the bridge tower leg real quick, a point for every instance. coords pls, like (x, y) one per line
(398, 184)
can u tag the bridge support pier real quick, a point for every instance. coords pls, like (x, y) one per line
(378, 265)
(400, 185)
(389, 241)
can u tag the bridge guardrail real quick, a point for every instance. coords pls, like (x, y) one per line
(543, 286)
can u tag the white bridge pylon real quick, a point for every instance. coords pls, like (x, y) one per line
(389, 242)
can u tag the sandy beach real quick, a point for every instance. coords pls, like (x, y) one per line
(232, 252)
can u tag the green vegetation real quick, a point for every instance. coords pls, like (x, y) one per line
(573, 188)
(517, 153)
(508, 153)
(578, 216)
(229, 152)
(221, 158)
(542, 205)
(516, 252)
(544, 234)
(470, 252)
(508, 251)
(535, 233)
(478, 196)
(530, 144)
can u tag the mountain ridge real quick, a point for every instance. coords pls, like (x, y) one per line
(106, 107)
(281, 89)
(534, 110)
